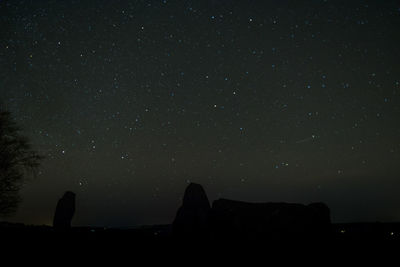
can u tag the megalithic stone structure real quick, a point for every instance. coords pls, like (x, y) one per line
(269, 221)
(64, 212)
(191, 220)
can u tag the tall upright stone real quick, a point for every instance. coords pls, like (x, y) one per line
(191, 220)
(64, 212)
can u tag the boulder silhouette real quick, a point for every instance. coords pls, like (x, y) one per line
(191, 219)
(269, 221)
(64, 212)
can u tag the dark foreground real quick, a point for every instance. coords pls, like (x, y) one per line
(157, 244)
(226, 225)
(341, 232)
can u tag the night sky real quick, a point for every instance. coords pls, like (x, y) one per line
(293, 101)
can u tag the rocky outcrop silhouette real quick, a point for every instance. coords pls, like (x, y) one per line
(269, 221)
(64, 212)
(232, 220)
(191, 220)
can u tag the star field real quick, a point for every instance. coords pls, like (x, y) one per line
(129, 101)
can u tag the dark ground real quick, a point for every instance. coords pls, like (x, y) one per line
(358, 241)
(369, 232)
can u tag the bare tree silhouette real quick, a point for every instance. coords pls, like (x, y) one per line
(17, 159)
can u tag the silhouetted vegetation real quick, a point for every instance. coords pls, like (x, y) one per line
(17, 159)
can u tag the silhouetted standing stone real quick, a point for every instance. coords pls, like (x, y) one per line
(64, 212)
(192, 217)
